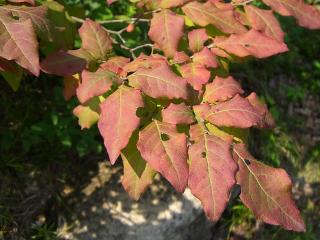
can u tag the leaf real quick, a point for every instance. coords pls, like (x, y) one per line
(137, 174)
(31, 2)
(63, 29)
(172, 3)
(267, 191)
(195, 74)
(14, 76)
(222, 89)
(264, 21)
(119, 120)
(166, 151)
(144, 62)
(306, 15)
(96, 83)
(71, 84)
(159, 82)
(88, 113)
(181, 57)
(18, 42)
(38, 16)
(251, 43)
(205, 57)
(197, 38)
(212, 171)
(64, 63)
(177, 114)
(208, 13)
(237, 112)
(116, 64)
(95, 39)
(166, 30)
(267, 121)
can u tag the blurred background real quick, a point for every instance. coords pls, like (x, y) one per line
(55, 179)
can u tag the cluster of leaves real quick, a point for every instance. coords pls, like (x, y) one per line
(176, 112)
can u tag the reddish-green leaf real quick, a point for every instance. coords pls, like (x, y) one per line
(88, 113)
(267, 191)
(264, 21)
(197, 38)
(212, 171)
(64, 63)
(207, 13)
(166, 30)
(237, 112)
(95, 39)
(166, 151)
(251, 43)
(159, 82)
(195, 74)
(306, 15)
(23, 1)
(18, 42)
(119, 119)
(178, 114)
(222, 89)
(137, 173)
(205, 57)
(71, 84)
(38, 16)
(96, 83)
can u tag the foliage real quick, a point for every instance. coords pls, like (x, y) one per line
(177, 112)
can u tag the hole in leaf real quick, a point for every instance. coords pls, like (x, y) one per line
(141, 112)
(247, 161)
(203, 154)
(164, 137)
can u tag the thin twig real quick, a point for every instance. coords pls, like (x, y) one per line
(124, 20)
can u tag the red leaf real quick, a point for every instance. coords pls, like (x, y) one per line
(237, 112)
(181, 57)
(208, 13)
(116, 64)
(166, 151)
(177, 114)
(251, 43)
(96, 83)
(95, 39)
(144, 62)
(137, 174)
(267, 191)
(166, 30)
(197, 38)
(19, 42)
(159, 82)
(267, 121)
(119, 120)
(212, 171)
(195, 74)
(307, 16)
(205, 57)
(264, 21)
(222, 89)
